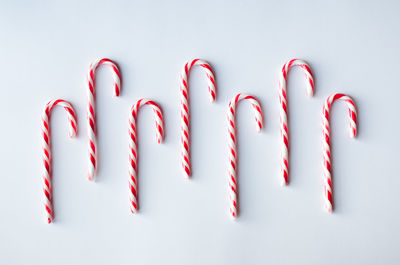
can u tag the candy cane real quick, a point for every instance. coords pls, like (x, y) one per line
(326, 141)
(283, 112)
(185, 119)
(91, 112)
(47, 160)
(232, 145)
(133, 154)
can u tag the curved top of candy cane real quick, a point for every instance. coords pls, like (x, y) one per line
(352, 113)
(73, 129)
(158, 116)
(307, 73)
(209, 73)
(115, 74)
(254, 103)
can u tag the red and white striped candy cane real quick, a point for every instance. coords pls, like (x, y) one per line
(185, 117)
(283, 112)
(232, 145)
(328, 201)
(133, 152)
(91, 109)
(46, 147)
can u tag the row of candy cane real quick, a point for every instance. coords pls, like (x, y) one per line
(328, 201)
(185, 130)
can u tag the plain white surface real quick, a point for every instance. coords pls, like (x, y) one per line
(352, 47)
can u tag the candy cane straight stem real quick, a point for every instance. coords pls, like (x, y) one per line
(91, 108)
(46, 147)
(232, 145)
(283, 112)
(133, 152)
(185, 112)
(328, 200)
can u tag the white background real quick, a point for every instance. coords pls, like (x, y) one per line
(352, 47)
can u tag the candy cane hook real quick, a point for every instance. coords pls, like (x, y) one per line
(326, 142)
(91, 110)
(46, 147)
(232, 145)
(185, 117)
(133, 152)
(283, 112)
